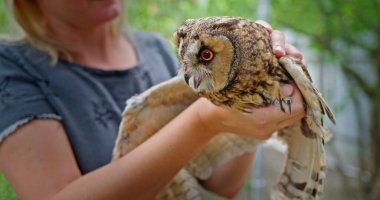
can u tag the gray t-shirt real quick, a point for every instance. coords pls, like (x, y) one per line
(88, 101)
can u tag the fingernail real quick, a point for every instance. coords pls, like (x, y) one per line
(293, 51)
(279, 51)
(287, 90)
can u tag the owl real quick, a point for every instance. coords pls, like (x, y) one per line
(229, 60)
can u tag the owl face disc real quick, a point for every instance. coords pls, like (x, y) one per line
(206, 60)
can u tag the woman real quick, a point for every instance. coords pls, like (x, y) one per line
(58, 123)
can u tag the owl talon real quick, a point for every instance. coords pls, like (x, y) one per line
(288, 101)
(276, 103)
(282, 106)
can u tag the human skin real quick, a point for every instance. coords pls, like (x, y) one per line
(39, 163)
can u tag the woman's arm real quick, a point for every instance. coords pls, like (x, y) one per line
(39, 163)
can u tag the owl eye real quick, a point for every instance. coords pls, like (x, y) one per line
(206, 55)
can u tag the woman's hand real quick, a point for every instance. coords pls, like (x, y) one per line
(260, 124)
(280, 47)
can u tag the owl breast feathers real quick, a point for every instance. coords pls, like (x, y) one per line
(229, 60)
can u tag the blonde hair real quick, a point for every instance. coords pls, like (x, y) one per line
(30, 19)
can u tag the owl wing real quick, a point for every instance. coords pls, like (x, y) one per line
(219, 149)
(315, 103)
(305, 169)
(140, 116)
(183, 186)
(304, 173)
(148, 112)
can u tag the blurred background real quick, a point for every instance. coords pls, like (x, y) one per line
(341, 42)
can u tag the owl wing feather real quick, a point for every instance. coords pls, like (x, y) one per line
(301, 76)
(305, 169)
(165, 100)
(315, 103)
(219, 149)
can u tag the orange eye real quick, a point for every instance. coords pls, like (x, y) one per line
(207, 55)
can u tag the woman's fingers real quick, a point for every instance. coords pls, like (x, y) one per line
(278, 43)
(280, 47)
(287, 90)
(275, 113)
(293, 51)
(265, 24)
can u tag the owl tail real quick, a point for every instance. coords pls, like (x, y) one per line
(183, 186)
(218, 150)
(305, 171)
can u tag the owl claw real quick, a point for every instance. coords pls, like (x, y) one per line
(288, 102)
(281, 106)
(276, 103)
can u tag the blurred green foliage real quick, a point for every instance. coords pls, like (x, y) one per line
(4, 19)
(350, 22)
(164, 16)
(6, 192)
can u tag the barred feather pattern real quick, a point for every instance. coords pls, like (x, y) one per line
(305, 169)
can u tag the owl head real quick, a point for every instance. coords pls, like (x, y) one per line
(207, 52)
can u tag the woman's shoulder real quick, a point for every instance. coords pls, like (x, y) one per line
(11, 53)
(8, 47)
(20, 59)
(16, 50)
(148, 39)
(154, 47)
(146, 35)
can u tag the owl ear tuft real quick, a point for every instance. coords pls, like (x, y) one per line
(188, 22)
(177, 36)
(175, 39)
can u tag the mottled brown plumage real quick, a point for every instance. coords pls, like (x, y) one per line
(230, 61)
(252, 73)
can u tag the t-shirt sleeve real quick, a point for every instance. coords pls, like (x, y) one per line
(21, 98)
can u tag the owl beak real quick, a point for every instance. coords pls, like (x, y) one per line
(187, 78)
(195, 80)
